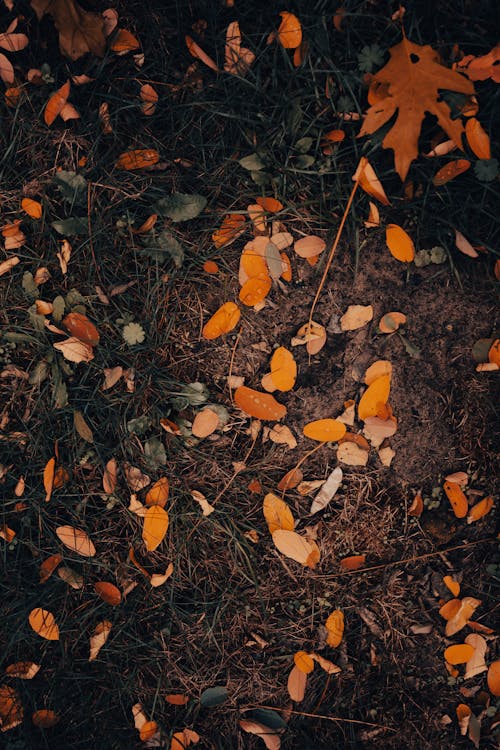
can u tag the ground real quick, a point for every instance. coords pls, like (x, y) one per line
(235, 611)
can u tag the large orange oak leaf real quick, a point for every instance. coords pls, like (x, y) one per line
(411, 84)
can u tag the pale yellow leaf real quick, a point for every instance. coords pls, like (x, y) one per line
(296, 547)
(356, 316)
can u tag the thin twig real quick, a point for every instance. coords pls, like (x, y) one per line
(317, 716)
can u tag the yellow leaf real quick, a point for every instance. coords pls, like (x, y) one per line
(277, 513)
(290, 30)
(76, 540)
(391, 321)
(325, 430)
(303, 661)
(148, 730)
(155, 526)
(457, 499)
(181, 740)
(400, 244)
(222, 321)
(297, 547)
(377, 393)
(335, 628)
(32, 208)
(48, 478)
(43, 623)
(255, 290)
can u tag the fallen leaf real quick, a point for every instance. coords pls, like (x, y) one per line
(75, 350)
(211, 267)
(224, 320)
(386, 455)
(99, 638)
(48, 478)
(356, 316)
(158, 579)
(464, 245)
(481, 509)
(369, 182)
(149, 99)
(377, 393)
(255, 290)
(296, 684)
(48, 566)
(109, 478)
(80, 31)
(327, 491)
(291, 479)
(377, 430)
(269, 736)
(82, 427)
(148, 730)
(449, 171)
(352, 455)
(181, 740)
(277, 514)
(33, 208)
(282, 435)
(137, 159)
(354, 562)
(196, 51)
(177, 699)
(303, 661)
(108, 592)
(124, 42)
(476, 664)
(76, 540)
(232, 227)
(309, 247)
(457, 499)
(463, 717)
(494, 678)
(452, 585)
(289, 31)
(313, 335)
(202, 501)
(155, 527)
(391, 321)
(335, 628)
(459, 653)
(158, 493)
(11, 708)
(56, 103)
(258, 405)
(467, 607)
(269, 204)
(9, 264)
(136, 479)
(296, 547)
(23, 670)
(399, 243)
(477, 138)
(71, 577)
(373, 219)
(409, 86)
(283, 369)
(450, 608)
(43, 623)
(82, 328)
(325, 430)
(205, 423)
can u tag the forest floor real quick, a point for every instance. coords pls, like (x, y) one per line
(234, 611)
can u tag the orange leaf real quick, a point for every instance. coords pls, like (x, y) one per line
(48, 478)
(494, 352)
(11, 708)
(205, 423)
(255, 290)
(155, 527)
(296, 547)
(369, 182)
(258, 405)
(109, 477)
(286, 273)
(124, 42)
(325, 430)
(291, 479)
(303, 662)
(48, 566)
(149, 99)
(463, 716)
(353, 563)
(373, 219)
(56, 103)
(196, 51)
(391, 321)
(457, 499)
(23, 670)
(450, 609)
(480, 509)
(376, 370)
(99, 638)
(32, 208)
(222, 321)
(277, 514)
(296, 685)
(177, 699)
(45, 719)
(494, 678)
(158, 493)
(417, 507)
(81, 328)
(43, 623)
(463, 244)
(290, 31)
(467, 606)
(210, 266)
(478, 139)
(108, 592)
(148, 730)
(459, 653)
(75, 350)
(452, 585)
(400, 244)
(137, 159)
(231, 228)
(76, 540)
(270, 737)
(310, 246)
(376, 393)
(283, 369)
(269, 204)
(335, 628)
(450, 171)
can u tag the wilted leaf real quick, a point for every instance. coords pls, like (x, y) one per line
(48, 478)
(72, 186)
(466, 608)
(124, 42)
(205, 506)
(9, 264)
(282, 435)
(297, 547)
(82, 427)
(258, 405)
(327, 491)
(325, 430)
(335, 628)
(463, 717)
(296, 685)
(477, 138)
(80, 31)
(224, 320)
(452, 585)
(48, 566)
(158, 579)
(457, 499)
(73, 226)
(71, 577)
(155, 527)
(43, 623)
(180, 206)
(463, 244)
(328, 666)
(6, 70)
(205, 423)
(369, 182)
(76, 540)
(196, 51)
(391, 321)
(399, 243)
(277, 513)
(136, 480)
(108, 592)
(181, 740)
(356, 316)
(291, 479)
(149, 99)
(23, 670)
(11, 708)
(99, 638)
(476, 664)
(109, 478)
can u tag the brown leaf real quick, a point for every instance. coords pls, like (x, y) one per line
(23, 670)
(9, 264)
(476, 664)
(124, 42)
(158, 493)
(277, 514)
(136, 480)
(109, 477)
(269, 736)
(296, 685)
(99, 638)
(79, 30)
(75, 350)
(257, 404)
(48, 566)
(356, 316)
(205, 423)
(82, 427)
(11, 708)
(137, 159)
(82, 328)
(108, 592)
(297, 547)
(464, 612)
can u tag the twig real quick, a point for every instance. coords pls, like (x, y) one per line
(317, 716)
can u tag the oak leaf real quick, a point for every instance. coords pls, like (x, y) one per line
(410, 85)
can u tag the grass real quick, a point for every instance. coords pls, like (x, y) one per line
(235, 611)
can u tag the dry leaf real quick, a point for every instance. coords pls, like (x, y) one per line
(376, 430)
(258, 405)
(211, 267)
(409, 86)
(283, 369)
(11, 708)
(23, 670)
(290, 30)
(452, 585)
(136, 480)
(296, 547)
(478, 139)
(277, 514)
(222, 321)
(124, 42)
(9, 264)
(269, 736)
(494, 678)
(137, 159)
(158, 579)
(457, 499)
(335, 628)
(232, 226)
(325, 430)
(202, 501)
(450, 171)
(108, 592)
(356, 316)
(303, 661)
(177, 699)
(149, 99)
(99, 638)
(481, 509)
(327, 491)
(155, 527)
(70, 577)
(391, 321)
(476, 664)
(309, 247)
(75, 350)
(400, 243)
(43, 623)
(181, 740)
(76, 540)
(369, 182)
(255, 290)
(48, 566)
(291, 479)
(464, 245)
(282, 435)
(463, 716)
(205, 423)
(82, 427)
(82, 328)
(196, 51)
(109, 478)
(158, 493)
(354, 562)
(373, 219)
(465, 610)
(56, 103)
(386, 455)
(32, 208)
(296, 684)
